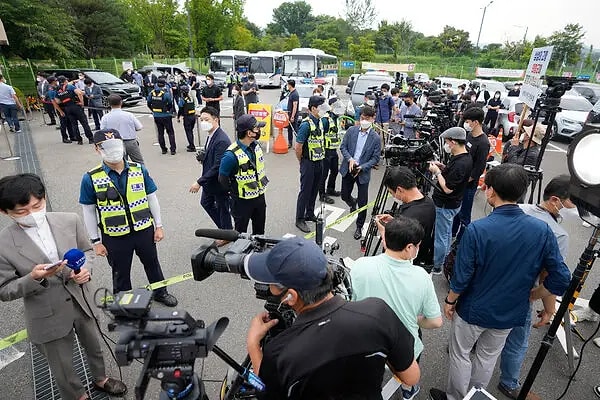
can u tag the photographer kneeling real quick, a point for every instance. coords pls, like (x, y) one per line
(334, 347)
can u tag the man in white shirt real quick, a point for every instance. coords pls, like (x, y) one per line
(126, 124)
(32, 267)
(10, 105)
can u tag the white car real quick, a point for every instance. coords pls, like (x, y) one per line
(570, 120)
(491, 87)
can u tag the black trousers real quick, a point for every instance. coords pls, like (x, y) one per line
(120, 255)
(331, 167)
(348, 182)
(97, 114)
(49, 108)
(66, 128)
(292, 127)
(490, 117)
(244, 210)
(310, 179)
(189, 121)
(162, 124)
(76, 114)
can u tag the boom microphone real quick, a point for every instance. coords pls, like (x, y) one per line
(230, 235)
(75, 259)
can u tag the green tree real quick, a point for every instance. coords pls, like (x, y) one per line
(428, 45)
(364, 50)
(291, 18)
(454, 41)
(291, 42)
(398, 37)
(567, 45)
(328, 27)
(360, 14)
(212, 23)
(329, 46)
(103, 26)
(588, 62)
(40, 29)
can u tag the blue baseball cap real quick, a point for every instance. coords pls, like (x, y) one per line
(295, 263)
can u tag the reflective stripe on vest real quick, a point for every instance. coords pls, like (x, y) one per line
(158, 102)
(65, 96)
(332, 139)
(117, 218)
(251, 183)
(314, 143)
(189, 107)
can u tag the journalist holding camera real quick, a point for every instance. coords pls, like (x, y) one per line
(310, 359)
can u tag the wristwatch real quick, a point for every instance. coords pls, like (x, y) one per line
(94, 241)
(451, 303)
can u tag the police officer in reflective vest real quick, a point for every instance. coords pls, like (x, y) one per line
(230, 83)
(242, 172)
(331, 161)
(310, 154)
(187, 110)
(119, 197)
(70, 99)
(160, 103)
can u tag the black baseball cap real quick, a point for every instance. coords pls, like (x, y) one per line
(295, 263)
(106, 134)
(315, 101)
(247, 122)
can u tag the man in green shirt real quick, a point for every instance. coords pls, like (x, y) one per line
(406, 288)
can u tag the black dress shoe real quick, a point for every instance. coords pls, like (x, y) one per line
(300, 224)
(353, 206)
(326, 199)
(437, 394)
(358, 233)
(90, 141)
(311, 218)
(334, 193)
(67, 141)
(52, 123)
(164, 151)
(173, 152)
(190, 149)
(167, 299)
(80, 142)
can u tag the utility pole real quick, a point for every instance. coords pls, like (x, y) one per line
(481, 25)
(189, 26)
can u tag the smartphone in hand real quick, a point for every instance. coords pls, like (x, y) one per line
(51, 266)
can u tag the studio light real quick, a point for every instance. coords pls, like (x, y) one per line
(585, 170)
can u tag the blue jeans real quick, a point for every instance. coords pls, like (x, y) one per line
(464, 216)
(11, 113)
(514, 353)
(443, 234)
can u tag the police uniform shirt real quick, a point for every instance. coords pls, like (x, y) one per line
(87, 194)
(311, 360)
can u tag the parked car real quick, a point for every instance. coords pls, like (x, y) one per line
(570, 120)
(421, 77)
(509, 116)
(109, 83)
(366, 81)
(594, 115)
(304, 92)
(590, 91)
(491, 86)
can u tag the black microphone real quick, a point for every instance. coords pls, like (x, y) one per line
(231, 235)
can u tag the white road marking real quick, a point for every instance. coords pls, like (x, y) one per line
(556, 149)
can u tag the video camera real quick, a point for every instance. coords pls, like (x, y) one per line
(376, 91)
(408, 152)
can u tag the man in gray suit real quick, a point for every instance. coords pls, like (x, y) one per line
(32, 267)
(361, 149)
(94, 95)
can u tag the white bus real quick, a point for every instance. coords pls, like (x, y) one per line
(310, 63)
(266, 66)
(228, 60)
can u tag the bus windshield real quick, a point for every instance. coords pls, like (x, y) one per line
(296, 65)
(221, 63)
(261, 64)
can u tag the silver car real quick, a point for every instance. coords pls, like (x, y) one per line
(570, 120)
(508, 117)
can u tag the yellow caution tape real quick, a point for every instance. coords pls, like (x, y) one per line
(13, 339)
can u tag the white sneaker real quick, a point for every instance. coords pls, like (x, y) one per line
(586, 314)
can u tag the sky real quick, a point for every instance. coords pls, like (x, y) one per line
(504, 19)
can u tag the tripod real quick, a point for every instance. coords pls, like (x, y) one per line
(580, 274)
(378, 207)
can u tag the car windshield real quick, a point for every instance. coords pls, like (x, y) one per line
(575, 104)
(101, 77)
(363, 84)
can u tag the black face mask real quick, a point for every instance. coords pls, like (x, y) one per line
(407, 103)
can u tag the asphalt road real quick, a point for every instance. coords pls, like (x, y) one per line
(227, 295)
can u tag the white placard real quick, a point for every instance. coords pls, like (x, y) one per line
(538, 64)
(127, 65)
(499, 73)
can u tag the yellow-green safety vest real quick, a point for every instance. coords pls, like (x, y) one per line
(332, 139)
(118, 214)
(250, 178)
(314, 143)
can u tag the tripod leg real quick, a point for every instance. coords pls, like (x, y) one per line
(569, 342)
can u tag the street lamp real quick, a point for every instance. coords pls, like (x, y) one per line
(481, 26)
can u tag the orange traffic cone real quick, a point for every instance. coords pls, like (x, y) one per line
(499, 141)
(280, 145)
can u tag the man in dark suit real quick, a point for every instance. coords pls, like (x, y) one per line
(215, 199)
(361, 149)
(32, 268)
(94, 95)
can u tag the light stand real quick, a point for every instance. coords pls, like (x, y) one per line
(584, 189)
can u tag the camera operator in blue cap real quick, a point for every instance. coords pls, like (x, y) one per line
(334, 347)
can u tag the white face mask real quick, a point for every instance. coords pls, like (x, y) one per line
(206, 126)
(364, 124)
(32, 220)
(467, 127)
(447, 148)
(371, 103)
(112, 150)
(568, 213)
(234, 92)
(323, 110)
